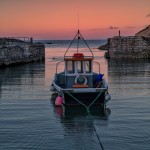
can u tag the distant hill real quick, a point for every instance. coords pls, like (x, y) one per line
(144, 33)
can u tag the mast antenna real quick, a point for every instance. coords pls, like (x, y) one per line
(78, 21)
(78, 35)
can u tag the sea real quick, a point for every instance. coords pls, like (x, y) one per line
(30, 121)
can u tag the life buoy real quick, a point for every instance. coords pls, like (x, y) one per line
(107, 97)
(80, 80)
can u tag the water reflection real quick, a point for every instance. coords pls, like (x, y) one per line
(18, 78)
(129, 77)
(83, 130)
(73, 112)
(0, 90)
(128, 67)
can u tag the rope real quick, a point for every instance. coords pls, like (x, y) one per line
(78, 101)
(95, 99)
(87, 107)
(100, 143)
(88, 112)
(70, 44)
(98, 137)
(86, 44)
(96, 133)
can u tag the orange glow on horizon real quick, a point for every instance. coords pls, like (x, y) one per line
(57, 19)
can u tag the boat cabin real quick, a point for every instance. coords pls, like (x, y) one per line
(78, 70)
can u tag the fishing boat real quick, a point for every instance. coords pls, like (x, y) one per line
(78, 84)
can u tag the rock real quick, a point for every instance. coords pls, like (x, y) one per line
(21, 54)
(144, 32)
(103, 47)
(106, 55)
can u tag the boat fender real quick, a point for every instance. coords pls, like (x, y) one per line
(81, 80)
(52, 88)
(59, 101)
(107, 97)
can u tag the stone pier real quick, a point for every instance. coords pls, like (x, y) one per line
(129, 47)
(17, 52)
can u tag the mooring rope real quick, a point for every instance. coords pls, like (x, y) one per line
(96, 133)
(98, 138)
(88, 112)
(78, 101)
(87, 107)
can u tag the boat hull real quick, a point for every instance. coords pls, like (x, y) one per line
(82, 96)
(75, 99)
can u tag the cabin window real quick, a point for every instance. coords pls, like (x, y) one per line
(79, 67)
(88, 66)
(70, 67)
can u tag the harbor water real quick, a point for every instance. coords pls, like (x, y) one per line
(29, 120)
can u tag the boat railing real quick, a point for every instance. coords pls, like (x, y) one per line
(58, 64)
(98, 64)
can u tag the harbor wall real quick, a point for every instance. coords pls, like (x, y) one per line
(128, 47)
(21, 53)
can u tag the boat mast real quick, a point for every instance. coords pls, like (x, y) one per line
(78, 40)
(78, 36)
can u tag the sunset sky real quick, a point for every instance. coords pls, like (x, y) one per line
(58, 19)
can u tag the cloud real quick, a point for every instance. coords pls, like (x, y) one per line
(130, 27)
(97, 29)
(148, 15)
(113, 28)
(109, 28)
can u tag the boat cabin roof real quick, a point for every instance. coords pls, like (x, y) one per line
(78, 57)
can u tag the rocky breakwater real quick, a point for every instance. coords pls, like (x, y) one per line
(129, 47)
(21, 53)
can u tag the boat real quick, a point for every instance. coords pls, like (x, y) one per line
(78, 84)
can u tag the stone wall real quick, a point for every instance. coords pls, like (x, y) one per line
(13, 54)
(129, 47)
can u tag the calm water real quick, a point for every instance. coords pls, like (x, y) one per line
(29, 120)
